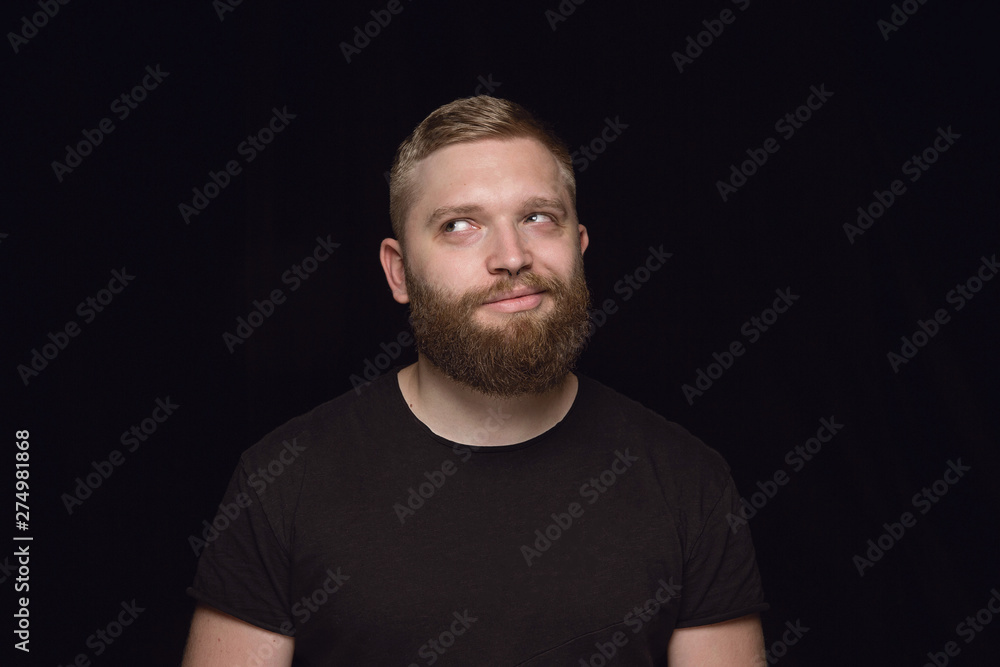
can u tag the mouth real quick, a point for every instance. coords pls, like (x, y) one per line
(516, 300)
(514, 294)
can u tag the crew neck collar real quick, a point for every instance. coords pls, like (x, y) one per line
(582, 391)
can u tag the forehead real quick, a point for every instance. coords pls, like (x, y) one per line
(486, 171)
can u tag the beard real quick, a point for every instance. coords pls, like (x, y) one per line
(528, 353)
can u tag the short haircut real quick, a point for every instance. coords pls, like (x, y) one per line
(462, 121)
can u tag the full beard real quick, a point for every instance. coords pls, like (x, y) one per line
(529, 353)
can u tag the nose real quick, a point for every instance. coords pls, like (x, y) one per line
(509, 252)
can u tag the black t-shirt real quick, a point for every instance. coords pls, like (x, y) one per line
(373, 541)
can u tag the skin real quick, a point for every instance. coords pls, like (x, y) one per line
(502, 228)
(221, 640)
(735, 643)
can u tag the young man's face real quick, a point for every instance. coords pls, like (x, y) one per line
(494, 269)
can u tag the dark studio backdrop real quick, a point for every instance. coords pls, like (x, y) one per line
(822, 175)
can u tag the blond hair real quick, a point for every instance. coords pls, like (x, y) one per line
(462, 121)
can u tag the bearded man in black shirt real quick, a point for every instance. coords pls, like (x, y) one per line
(566, 524)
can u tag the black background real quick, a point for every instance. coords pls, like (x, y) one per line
(655, 185)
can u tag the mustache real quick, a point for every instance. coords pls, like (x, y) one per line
(510, 283)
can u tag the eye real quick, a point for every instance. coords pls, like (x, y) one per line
(540, 217)
(456, 226)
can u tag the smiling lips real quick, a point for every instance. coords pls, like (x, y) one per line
(517, 300)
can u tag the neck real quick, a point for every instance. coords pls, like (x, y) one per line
(464, 415)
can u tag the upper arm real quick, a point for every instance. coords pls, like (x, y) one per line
(221, 640)
(735, 643)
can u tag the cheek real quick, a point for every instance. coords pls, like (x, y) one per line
(560, 259)
(449, 279)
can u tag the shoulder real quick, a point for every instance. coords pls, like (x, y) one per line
(670, 448)
(313, 436)
(606, 408)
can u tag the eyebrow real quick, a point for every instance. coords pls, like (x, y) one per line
(462, 210)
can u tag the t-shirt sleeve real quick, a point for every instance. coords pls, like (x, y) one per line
(244, 570)
(721, 580)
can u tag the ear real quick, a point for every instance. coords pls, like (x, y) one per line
(391, 256)
(584, 239)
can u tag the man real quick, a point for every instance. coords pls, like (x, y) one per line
(484, 505)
